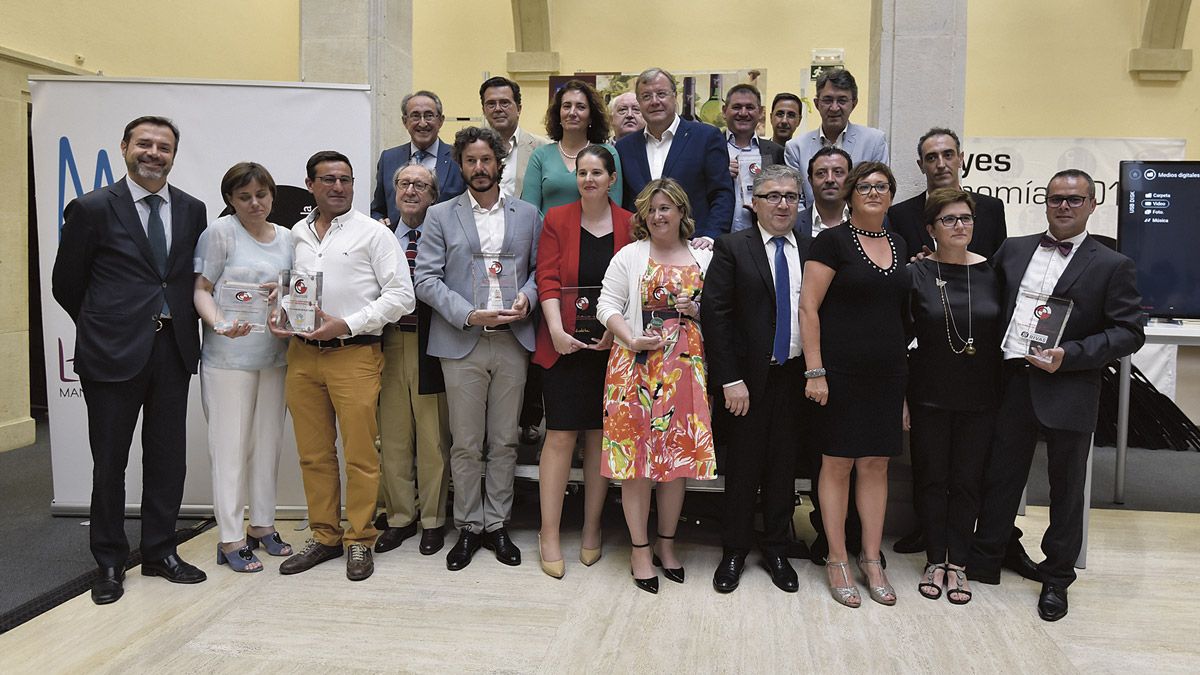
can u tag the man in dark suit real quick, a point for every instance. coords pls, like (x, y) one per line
(124, 274)
(692, 153)
(743, 112)
(827, 171)
(752, 341)
(940, 158)
(423, 119)
(414, 429)
(1054, 391)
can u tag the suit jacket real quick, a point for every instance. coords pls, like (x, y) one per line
(864, 144)
(908, 220)
(526, 144)
(699, 161)
(772, 152)
(383, 201)
(106, 279)
(558, 265)
(1105, 324)
(738, 310)
(446, 271)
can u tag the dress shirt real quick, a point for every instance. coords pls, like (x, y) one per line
(741, 217)
(837, 142)
(819, 225)
(657, 150)
(431, 155)
(508, 179)
(139, 195)
(1041, 276)
(490, 223)
(365, 277)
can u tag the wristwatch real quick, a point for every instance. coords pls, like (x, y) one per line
(814, 373)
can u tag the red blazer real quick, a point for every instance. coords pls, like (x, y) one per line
(558, 264)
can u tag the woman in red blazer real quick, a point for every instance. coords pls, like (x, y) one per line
(577, 242)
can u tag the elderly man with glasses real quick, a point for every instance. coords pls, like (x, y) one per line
(423, 118)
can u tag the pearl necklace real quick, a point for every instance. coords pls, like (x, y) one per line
(968, 344)
(873, 235)
(564, 152)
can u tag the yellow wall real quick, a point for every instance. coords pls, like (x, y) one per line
(629, 36)
(212, 39)
(1037, 68)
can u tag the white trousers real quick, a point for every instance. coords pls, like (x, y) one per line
(244, 409)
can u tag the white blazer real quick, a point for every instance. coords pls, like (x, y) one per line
(623, 284)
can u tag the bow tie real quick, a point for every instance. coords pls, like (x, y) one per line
(1064, 247)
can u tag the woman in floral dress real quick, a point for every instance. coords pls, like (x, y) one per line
(657, 424)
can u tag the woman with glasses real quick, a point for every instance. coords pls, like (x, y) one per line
(853, 306)
(575, 119)
(578, 241)
(657, 423)
(952, 388)
(242, 366)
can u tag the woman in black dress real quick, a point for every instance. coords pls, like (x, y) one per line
(853, 306)
(952, 388)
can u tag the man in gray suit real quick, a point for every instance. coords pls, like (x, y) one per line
(475, 247)
(837, 95)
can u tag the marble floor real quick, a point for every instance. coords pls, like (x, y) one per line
(1132, 611)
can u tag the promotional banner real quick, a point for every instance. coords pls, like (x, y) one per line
(77, 127)
(1016, 170)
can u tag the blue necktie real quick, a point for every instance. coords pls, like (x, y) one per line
(419, 156)
(157, 233)
(783, 305)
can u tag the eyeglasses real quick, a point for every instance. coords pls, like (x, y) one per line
(404, 185)
(648, 96)
(415, 117)
(493, 106)
(828, 101)
(949, 222)
(775, 197)
(331, 180)
(1073, 201)
(865, 188)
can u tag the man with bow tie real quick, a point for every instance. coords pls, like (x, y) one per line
(1054, 391)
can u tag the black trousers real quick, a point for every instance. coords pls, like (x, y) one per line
(950, 450)
(763, 446)
(1005, 477)
(160, 393)
(532, 408)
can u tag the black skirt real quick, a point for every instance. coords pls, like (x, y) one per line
(573, 390)
(863, 416)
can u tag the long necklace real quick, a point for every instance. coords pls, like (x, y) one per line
(968, 345)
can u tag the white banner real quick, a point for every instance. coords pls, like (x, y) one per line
(1016, 171)
(77, 125)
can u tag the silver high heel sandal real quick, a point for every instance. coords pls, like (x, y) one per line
(845, 595)
(878, 593)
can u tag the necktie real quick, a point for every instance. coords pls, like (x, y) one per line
(411, 252)
(419, 156)
(157, 233)
(1064, 247)
(783, 305)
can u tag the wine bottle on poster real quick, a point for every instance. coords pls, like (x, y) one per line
(710, 112)
(689, 98)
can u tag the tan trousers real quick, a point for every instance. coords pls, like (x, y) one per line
(328, 390)
(412, 426)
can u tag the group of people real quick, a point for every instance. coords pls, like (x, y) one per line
(681, 291)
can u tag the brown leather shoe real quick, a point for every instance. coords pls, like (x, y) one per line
(359, 564)
(314, 554)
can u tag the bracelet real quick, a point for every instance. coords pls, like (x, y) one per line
(814, 373)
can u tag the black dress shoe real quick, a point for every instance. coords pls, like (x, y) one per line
(466, 546)
(392, 537)
(729, 572)
(1052, 603)
(432, 540)
(913, 542)
(173, 569)
(781, 571)
(499, 542)
(108, 587)
(1017, 560)
(381, 522)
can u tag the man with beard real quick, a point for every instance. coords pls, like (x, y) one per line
(501, 101)
(624, 116)
(475, 268)
(423, 118)
(743, 113)
(124, 275)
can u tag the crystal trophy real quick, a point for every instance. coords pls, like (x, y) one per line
(299, 298)
(495, 280)
(245, 302)
(1043, 319)
(584, 299)
(659, 316)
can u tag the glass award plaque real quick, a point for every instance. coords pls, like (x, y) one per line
(495, 280)
(749, 166)
(583, 299)
(1042, 320)
(245, 302)
(659, 316)
(299, 298)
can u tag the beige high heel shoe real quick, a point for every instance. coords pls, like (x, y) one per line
(554, 568)
(590, 556)
(845, 595)
(878, 593)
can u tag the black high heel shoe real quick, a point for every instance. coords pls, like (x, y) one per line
(649, 585)
(673, 573)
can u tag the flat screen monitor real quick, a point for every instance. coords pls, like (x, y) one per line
(1159, 227)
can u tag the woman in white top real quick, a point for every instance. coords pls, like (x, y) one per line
(242, 366)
